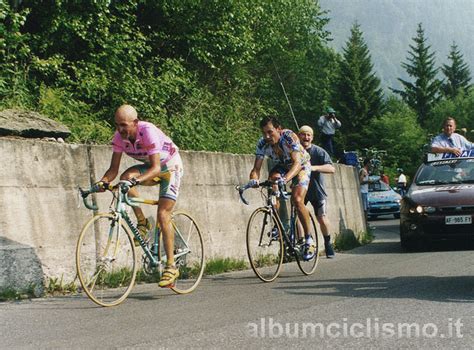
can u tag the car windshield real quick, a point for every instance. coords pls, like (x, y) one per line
(446, 172)
(378, 186)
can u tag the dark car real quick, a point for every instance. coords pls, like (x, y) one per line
(439, 204)
(383, 200)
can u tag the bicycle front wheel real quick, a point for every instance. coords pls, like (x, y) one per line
(264, 244)
(309, 266)
(189, 252)
(105, 260)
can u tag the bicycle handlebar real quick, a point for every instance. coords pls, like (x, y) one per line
(123, 185)
(124, 188)
(84, 195)
(267, 183)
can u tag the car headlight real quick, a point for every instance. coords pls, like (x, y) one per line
(418, 209)
(422, 209)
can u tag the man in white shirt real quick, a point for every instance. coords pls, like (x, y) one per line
(401, 182)
(449, 141)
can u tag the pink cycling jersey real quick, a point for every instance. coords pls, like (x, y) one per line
(150, 140)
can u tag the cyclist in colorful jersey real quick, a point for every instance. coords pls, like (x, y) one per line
(145, 142)
(293, 164)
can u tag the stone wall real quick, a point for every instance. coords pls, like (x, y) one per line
(42, 215)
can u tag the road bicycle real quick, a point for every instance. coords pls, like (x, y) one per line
(269, 244)
(106, 257)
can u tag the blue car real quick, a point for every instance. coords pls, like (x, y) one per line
(383, 200)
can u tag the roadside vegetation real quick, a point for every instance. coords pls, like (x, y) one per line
(8, 294)
(206, 72)
(56, 286)
(348, 241)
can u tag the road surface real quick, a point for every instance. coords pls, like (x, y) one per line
(373, 296)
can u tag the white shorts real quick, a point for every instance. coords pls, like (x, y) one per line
(169, 186)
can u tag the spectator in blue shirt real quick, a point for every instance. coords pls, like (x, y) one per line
(449, 141)
(320, 164)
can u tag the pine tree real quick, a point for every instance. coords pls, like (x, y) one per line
(423, 92)
(358, 96)
(457, 74)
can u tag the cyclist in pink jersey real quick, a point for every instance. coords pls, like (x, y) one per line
(148, 144)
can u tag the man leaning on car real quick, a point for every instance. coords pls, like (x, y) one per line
(449, 141)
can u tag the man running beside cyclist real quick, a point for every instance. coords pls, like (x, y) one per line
(321, 163)
(293, 165)
(143, 141)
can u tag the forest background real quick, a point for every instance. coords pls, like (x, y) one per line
(207, 71)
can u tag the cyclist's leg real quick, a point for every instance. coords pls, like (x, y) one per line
(298, 194)
(128, 174)
(169, 191)
(300, 186)
(165, 208)
(277, 172)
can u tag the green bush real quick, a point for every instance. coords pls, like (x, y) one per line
(58, 104)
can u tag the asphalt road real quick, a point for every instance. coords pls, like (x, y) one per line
(376, 296)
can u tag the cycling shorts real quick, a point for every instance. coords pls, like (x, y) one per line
(169, 185)
(301, 179)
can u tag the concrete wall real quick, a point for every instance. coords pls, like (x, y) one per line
(41, 214)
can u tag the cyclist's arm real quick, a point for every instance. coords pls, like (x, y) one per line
(112, 172)
(153, 170)
(255, 172)
(295, 166)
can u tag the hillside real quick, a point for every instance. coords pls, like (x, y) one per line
(390, 25)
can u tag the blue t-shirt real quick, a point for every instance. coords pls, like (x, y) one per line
(317, 190)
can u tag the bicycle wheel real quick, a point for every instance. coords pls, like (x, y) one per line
(189, 252)
(105, 260)
(264, 244)
(309, 266)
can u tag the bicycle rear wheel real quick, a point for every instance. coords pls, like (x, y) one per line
(189, 252)
(264, 244)
(105, 260)
(309, 266)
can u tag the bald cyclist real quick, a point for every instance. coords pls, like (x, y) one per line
(320, 164)
(143, 141)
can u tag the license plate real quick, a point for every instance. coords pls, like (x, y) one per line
(384, 208)
(458, 220)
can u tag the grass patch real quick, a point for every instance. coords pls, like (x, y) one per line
(12, 294)
(221, 265)
(56, 286)
(115, 279)
(143, 277)
(348, 241)
(267, 260)
(8, 294)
